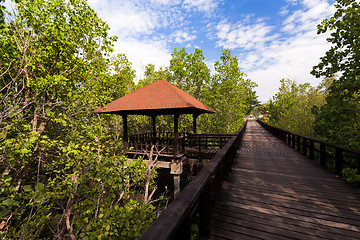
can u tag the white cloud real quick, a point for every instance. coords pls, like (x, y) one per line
(135, 17)
(207, 6)
(182, 36)
(147, 30)
(165, 2)
(267, 56)
(139, 26)
(292, 2)
(291, 57)
(283, 11)
(246, 36)
(141, 53)
(312, 13)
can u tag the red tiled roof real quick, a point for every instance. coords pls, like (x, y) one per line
(160, 97)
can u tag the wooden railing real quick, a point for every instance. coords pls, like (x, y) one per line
(317, 149)
(193, 205)
(207, 141)
(164, 141)
(141, 143)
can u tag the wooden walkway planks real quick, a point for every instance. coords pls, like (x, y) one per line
(276, 193)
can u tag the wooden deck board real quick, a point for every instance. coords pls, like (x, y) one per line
(275, 192)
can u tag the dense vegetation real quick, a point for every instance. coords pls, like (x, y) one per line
(339, 119)
(293, 105)
(63, 170)
(330, 111)
(228, 91)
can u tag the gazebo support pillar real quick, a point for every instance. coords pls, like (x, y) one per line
(176, 135)
(176, 166)
(125, 131)
(194, 122)
(153, 117)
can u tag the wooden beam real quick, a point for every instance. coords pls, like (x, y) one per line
(159, 164)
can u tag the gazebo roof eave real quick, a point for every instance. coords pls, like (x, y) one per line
(158, 112)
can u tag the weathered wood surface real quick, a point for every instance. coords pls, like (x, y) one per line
(275, 192)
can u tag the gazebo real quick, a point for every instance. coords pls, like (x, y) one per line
(155, 99)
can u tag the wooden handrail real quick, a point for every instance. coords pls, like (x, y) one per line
(306, 145)
(197, 197)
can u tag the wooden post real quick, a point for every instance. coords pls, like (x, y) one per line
(358, 167)
(293, 141)
(176, 185)
(205, 203)
(312, 150)
(176, 168)
(298, 143)
(194, 121)
(322, 154)
(153, 117)
(184, 231)
(125, 131)
(176, 135)
(304, 146)
(338, 161)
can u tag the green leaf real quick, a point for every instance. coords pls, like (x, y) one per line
(27, 188)
(9, 202)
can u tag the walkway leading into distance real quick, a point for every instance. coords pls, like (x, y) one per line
(274, 192)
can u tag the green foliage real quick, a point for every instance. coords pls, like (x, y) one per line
(63, 173)
(189, 72)
(63, 170)
(351, 175)
(228, 91)
(338, 120)
(230, 94)
(293, 105)
(150, 75)
(2, 13)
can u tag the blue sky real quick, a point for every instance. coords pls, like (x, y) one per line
(273, 39)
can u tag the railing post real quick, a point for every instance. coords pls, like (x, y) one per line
(322, 154)
(205, 211)
(304, 146)
(283, 136)
(293, 140)
(298, 143)
(200, 155)
(288, 139)
(312, 150)
(338, 161)
(358, 167)
(184, 231)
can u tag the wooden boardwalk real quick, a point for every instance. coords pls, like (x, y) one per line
(276, 193)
